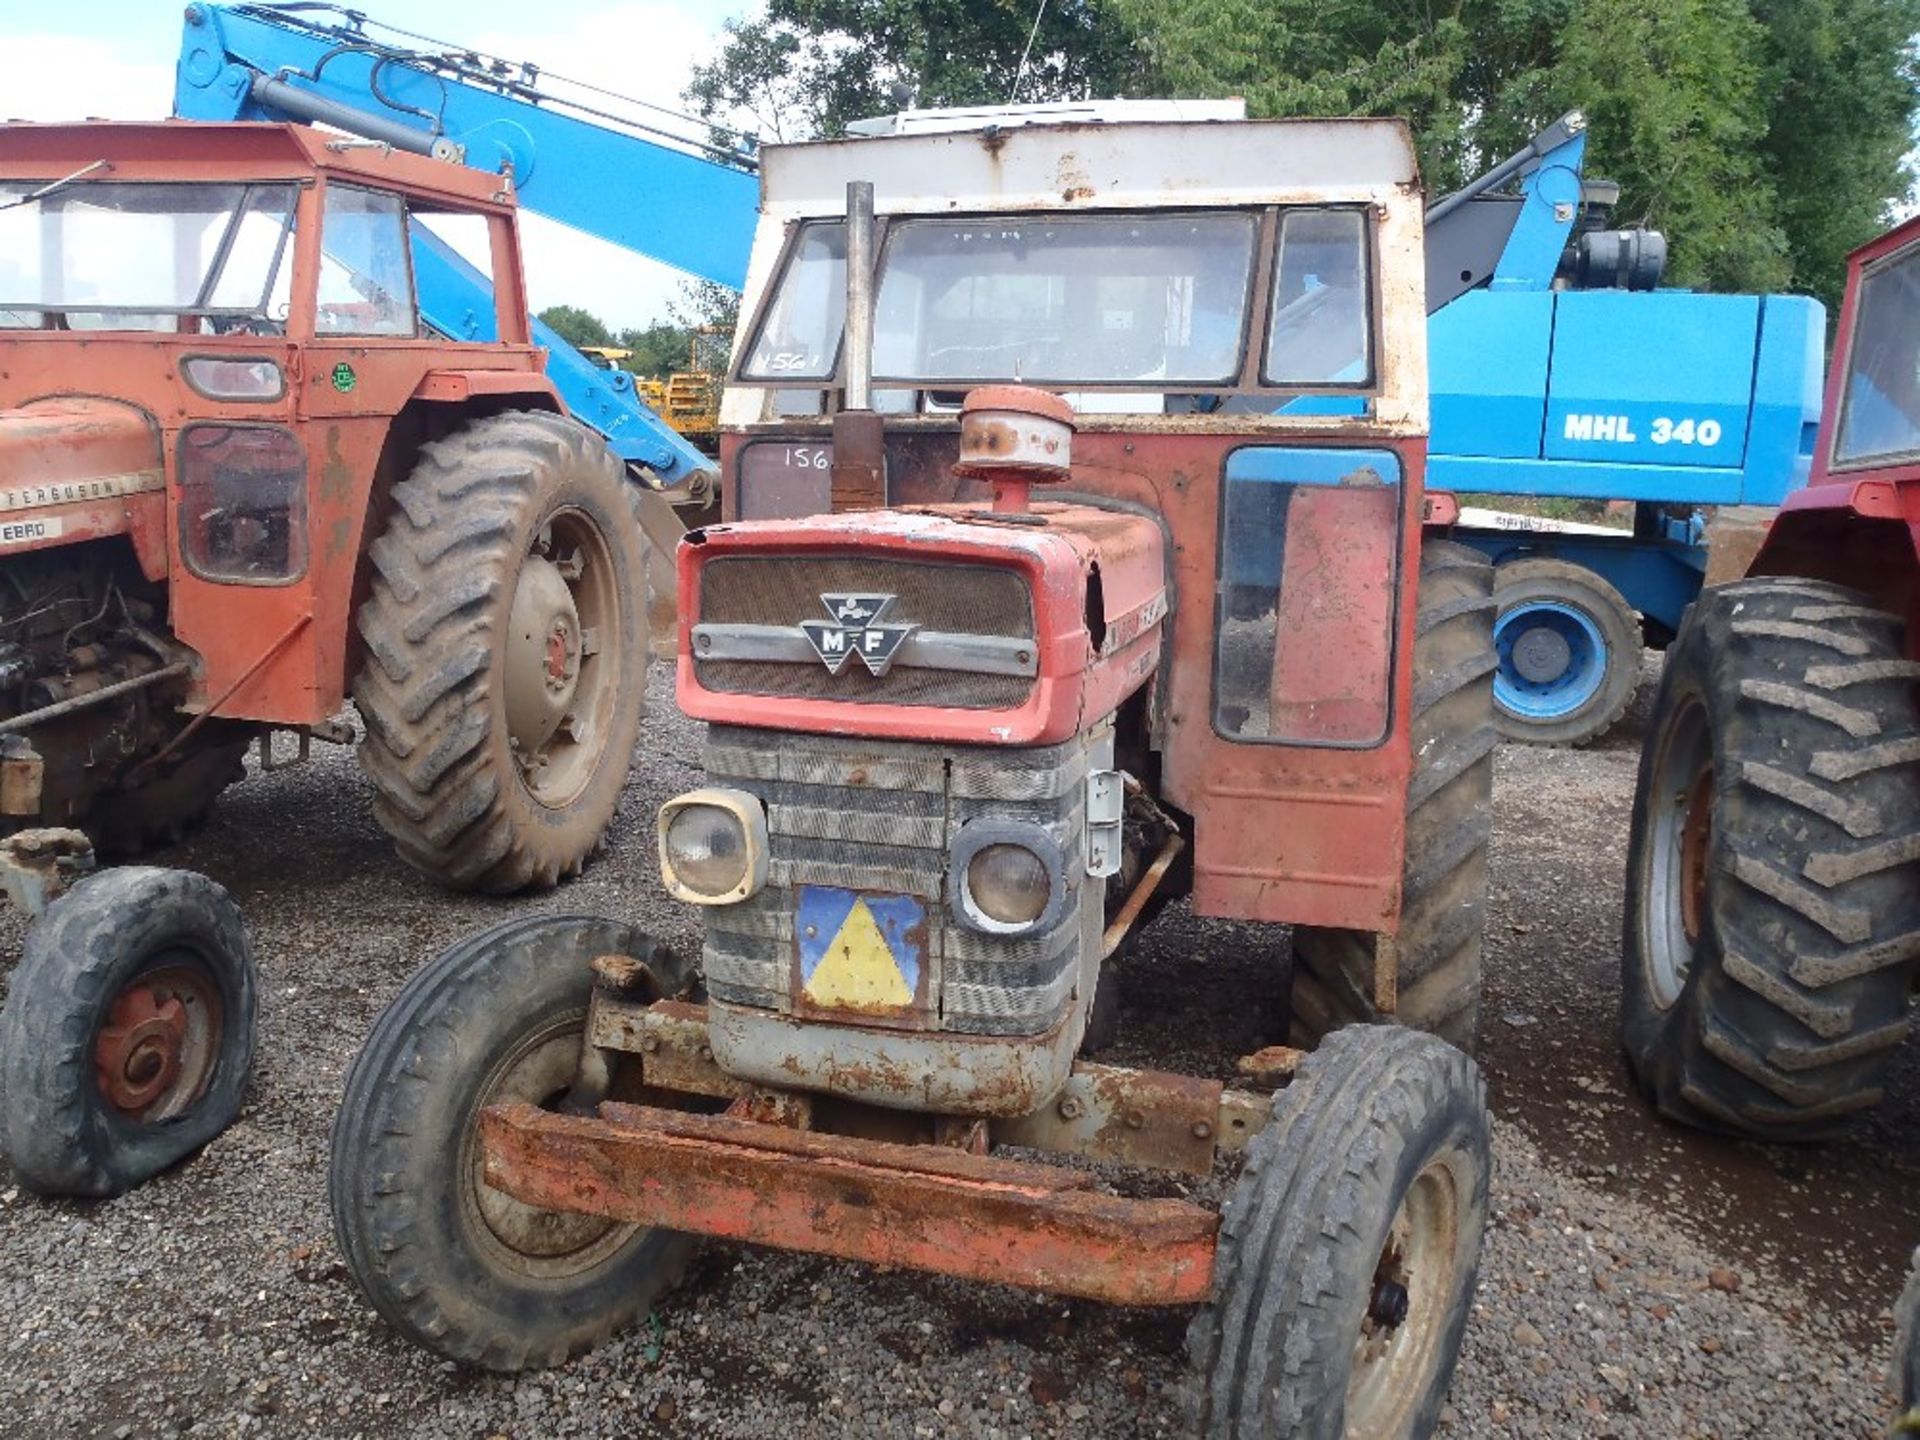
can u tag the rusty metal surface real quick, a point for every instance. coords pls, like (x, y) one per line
(22, 773)
(1270, 1065)
(37, 866)
(941, 1072)
(928, 1208)
(1243, 1115)
(669, 1036)
(1137, 1117)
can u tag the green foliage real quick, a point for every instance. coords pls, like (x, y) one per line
(658, 350)
(576, 326)
(806, 67)
(1672, 90)
(1766, 137)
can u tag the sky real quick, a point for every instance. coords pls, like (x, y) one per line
(114, 59)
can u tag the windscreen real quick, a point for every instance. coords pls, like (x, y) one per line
(137, 256)
(1085, 299)
(1880, 419)
(1095, 299)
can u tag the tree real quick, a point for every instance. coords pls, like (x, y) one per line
(807, 67)
(1766, 137)
(576, 326)
(658, 350)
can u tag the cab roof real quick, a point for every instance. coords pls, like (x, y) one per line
(235, 151)
(1112, 165)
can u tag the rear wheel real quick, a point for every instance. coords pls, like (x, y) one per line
(128, 1030)
(1350, 1247)
(507, 642)
(1569, 647)
(456, 1266)
(1449, 820)
(1772, 927)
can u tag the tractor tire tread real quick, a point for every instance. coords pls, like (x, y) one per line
(1269, 1354)
(442, 577)
(1796, 994)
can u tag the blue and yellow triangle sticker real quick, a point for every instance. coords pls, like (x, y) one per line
(858, 951)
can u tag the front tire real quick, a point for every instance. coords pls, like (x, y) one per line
(1443, 895)
(1772, 928)
(459, 1268)
(1350, 1247)
(128, 1030)
(507, 649)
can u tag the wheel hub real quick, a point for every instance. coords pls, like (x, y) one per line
(139, 1051)
(1541, 655)
(1696, 843)
(543, 654)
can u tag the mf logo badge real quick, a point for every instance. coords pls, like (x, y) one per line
(855, 629)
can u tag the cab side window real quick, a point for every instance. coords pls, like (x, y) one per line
(366, 277)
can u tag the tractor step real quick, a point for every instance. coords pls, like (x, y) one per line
(917, 1207)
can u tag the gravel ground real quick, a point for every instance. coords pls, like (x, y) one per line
(1638, 1281)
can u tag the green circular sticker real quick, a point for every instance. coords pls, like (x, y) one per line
(343, 377)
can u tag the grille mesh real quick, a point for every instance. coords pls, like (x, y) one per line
(786, 589)
(834, 819)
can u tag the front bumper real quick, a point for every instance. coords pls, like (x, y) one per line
(920, 1207)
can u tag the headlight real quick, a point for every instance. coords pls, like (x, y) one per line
(713, 846)
(1008, 883)
(1006, 877)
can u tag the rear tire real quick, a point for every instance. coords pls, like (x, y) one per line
(458, 1268)
(128, 1030)
(507, 650)
(1349, 1248)
(1449, 820)
(1569, 647)
(1772, 929)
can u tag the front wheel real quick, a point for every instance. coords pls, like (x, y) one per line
(507, 645)
(1350, 1247)
(128, 1030)
(458, 1267)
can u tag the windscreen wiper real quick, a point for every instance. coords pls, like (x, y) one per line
(54, 186)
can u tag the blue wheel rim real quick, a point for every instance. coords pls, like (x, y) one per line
(1558, 696)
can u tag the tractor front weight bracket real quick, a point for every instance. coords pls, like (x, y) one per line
(769, 1171)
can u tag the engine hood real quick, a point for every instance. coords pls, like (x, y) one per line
(77, 447)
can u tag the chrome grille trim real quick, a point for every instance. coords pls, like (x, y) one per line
(924, 649)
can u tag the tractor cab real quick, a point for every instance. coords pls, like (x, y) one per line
(208, 332)
(214, 372)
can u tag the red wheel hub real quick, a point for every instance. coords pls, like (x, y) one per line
(1696, 846)
(139, 1050)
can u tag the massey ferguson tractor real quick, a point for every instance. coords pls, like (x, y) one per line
(1122, 597)
(1772, 943)
(239, 480)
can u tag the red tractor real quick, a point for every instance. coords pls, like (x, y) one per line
(240, 479)
(964, 739)
(1772, 944)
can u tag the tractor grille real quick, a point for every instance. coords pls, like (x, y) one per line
(881, 816)
(961, 600)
